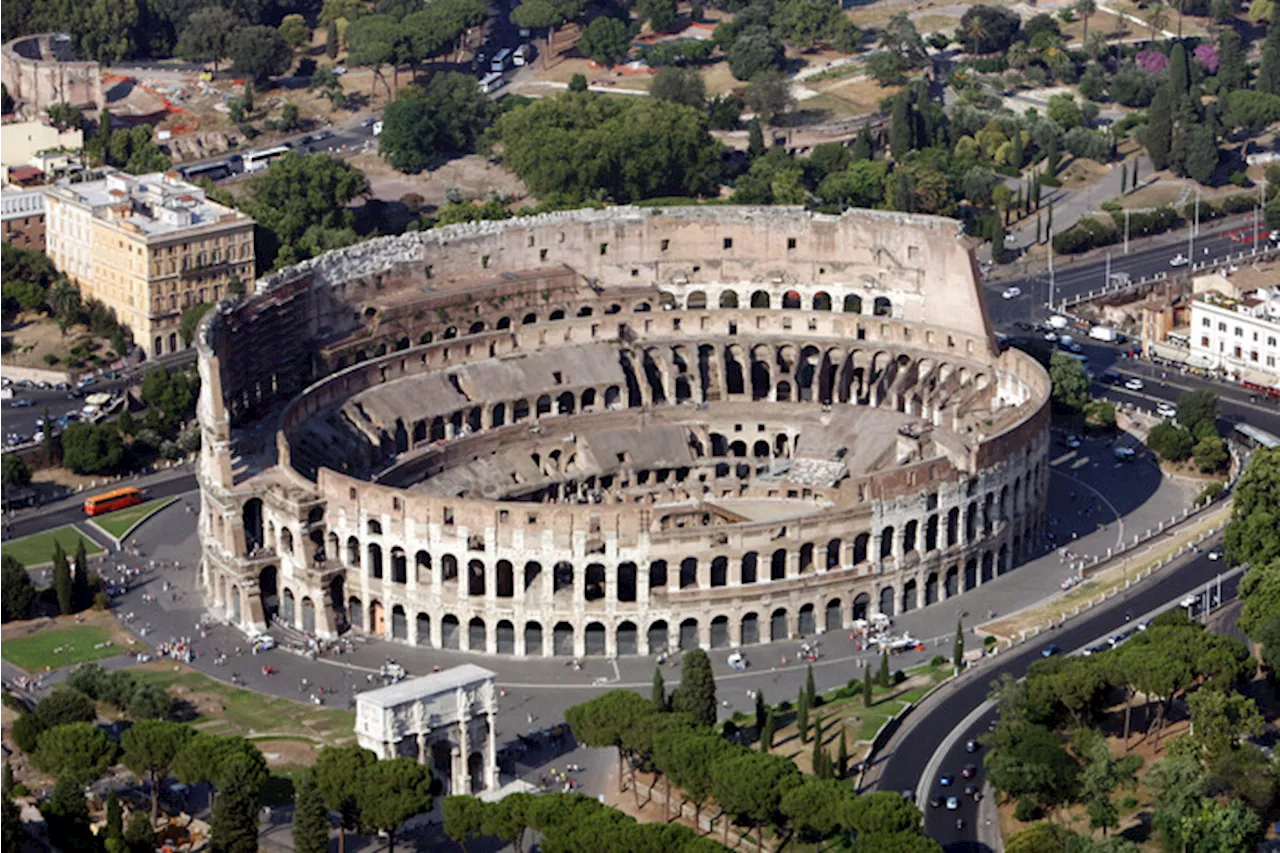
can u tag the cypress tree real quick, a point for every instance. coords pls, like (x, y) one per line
(1202, 154)
(1233, 71)
(809, 691)
(1133, 181)
(1017, 155)
(67, 815)
(755, 139)
(1049, 225)
(310, 818)
(900, 134)
(139, 834)
(113, 837)
(997, 243)
(1039, 231)
(957, 653)
(696, 695)
(766, 736)
(862, 145)
(234, 828)
(659, 694)
(1017, 203)
(10, 813)
(1124, 178)
(802, 716)
(331, 40)
(1269, 68)
(761, 711)
(882, 677)
(817, 758)
(867, 687)
(62, 579)
(842, 756)
(1179, 79)
(1158, 136)
(81, 597)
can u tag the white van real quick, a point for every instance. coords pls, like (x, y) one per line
(492, 82)
(521, 56)
(501, 60)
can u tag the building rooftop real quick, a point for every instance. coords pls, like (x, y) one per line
(428, 685)
(1260, 304)
(153, 205)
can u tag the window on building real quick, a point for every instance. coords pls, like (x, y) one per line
(1204, 341)
(1239, 332)
(1222, 327)
(1253, 356)
(1237, 351)
(1205, 322)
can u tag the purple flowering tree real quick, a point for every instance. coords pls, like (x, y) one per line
(1207, 55)
(1152, 61)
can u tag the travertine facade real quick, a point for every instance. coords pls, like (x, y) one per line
(617, 432)
(41, 70)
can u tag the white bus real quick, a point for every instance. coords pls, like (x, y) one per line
(492, 82)
(255, 161)
(521, 56)
(501, 60)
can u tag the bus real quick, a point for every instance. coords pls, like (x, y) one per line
(215, 171)
(112, 501)
(501, 60)
(492, 82)
(255, 161)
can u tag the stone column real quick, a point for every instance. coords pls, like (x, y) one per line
(422, 748)
(491, 749)
(464, 749)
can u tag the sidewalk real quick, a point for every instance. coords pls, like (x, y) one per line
(1070, 205)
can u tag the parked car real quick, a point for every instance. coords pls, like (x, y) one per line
(1011, 293)
(1179, 260)
(1134, 384)
(1166, 410)
(971, 746)
(1049, 651)
(1215, 554)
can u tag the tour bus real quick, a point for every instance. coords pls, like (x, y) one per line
(112, 501)
(255, 161)
(492, 82)
(501, 60)
(521, 56)
(214, 171)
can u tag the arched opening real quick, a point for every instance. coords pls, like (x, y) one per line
(886, 601)
(562, 640)
(833, 619)
(251, 518)
(505, 634)
(355, 613)
(719, 571)
(308, 616)
(853, 304)
(720, 632)
(422, 629)
(533, 639)
(883, 307)
(288, 608)
(778, 625)
(760, 299)
(399, 566)
(728, 299)
(931, 589)
(791, 300)
(627, 639)
(594, 582)
(688, 634)
(449, 633)
(861, 606)
(477, 641)
(375, 561)
(268, 593)
(399, 623)
(475, 578)
(778, 565)
(750, 562)
(506, 579)
(657, 637)
(805, 623)
(951, 584)
(377, 619)
(696, 300)
(594, 638)
(822, 301)
(688, 572)
(909, 596)
(749, 633)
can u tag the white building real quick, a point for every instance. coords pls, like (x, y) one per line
(445, 720)
(1236, 333)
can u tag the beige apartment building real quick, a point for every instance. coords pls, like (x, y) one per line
(147, 246)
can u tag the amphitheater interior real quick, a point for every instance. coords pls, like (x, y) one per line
(616, 432)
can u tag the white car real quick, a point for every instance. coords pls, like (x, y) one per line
(1134, 384)
(1124, 454)
(1011, 293)
(1051, 337)
(1179, 260)
(1165, 410)
(1215, 554)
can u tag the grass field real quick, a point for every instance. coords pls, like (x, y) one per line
(59, 647)
(116, 523)
(221, 708)
(38, 548)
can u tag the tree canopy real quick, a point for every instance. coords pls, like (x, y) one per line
(300, 204)
(426, 124)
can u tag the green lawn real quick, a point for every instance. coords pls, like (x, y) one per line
(116, 523)
(60, 647)
(38, 548)
(246, 712)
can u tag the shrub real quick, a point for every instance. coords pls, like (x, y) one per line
(1210, 493)
(989, 641)
(937, 660)
(1026, 810)
(899, 676)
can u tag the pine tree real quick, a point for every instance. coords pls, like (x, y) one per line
(882, 677)
(1158, 136)
(1269, 69)
(761, 711)
(900, 130)
(809, 691)
(696, 695)
(863, 148)
(755, 139)
(957, 653)
(310, 818)
(62, 579)
(234, 828)
(867, 688)
(81, 597)
(331, 40)
(842, 756)
(659, 694)
(766, 736)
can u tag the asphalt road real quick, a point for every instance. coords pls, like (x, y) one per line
(34, 521)
(903, 768)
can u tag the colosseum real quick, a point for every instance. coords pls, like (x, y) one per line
(616, 432)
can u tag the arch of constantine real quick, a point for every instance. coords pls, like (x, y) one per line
(617, 431)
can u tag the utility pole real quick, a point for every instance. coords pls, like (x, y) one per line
(1126, 230)
(1051, 270)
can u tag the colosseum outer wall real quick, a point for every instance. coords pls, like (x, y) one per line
(913, 536)
(40, 71)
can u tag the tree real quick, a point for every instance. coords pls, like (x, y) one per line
(81, 751)
(113, 832)
(310, 818)
(17, 592)
(1222, 721)
(680, 85)
(207, 34)
(766, 734)
(1252, 535)
(882, 676)
(751, 785)
(769, 95)
(957, 651)
(1070, 382)
(295, 31)
(1157, 19)
(1210, 454)
(815, 807)
(606, 40)
(81, 596)
(661, 14)
(191, 318)
(1269, 69)
(686, 757)
(1170, 441)
(62, 579)
(298, 200)
(988, 29)
(1101, 775)
(696, 695)
(900, 126)
(867, 687)
(91, 449)
(755, 139)
(804, 23)
(150, 748)
(259, 52)
(63, 299)
(444, 118)
(331, 39)
(901, 38)
(1085, 9)
(234, 828)
(1197, 406)
(336, 773)
(1033, 764)
(391, 792)
(66, 815)
(886, 68)
(1158, 136)
(754, 50)
(551, 14)
(658, 694)
(1233, 70)
(842, 755)
(139, 834)
(802, 715)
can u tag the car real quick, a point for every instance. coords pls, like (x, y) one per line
(369, 122)
(1142, 626)
(1074, 442)
(1189, 601)
(306, 140)
(22, 403)
(25, 383)
(1125, 454)
(1215, 554)
(1134, 384)
(45, 386)
(323, 135)
(1275, 236)
(1049, 651)
(86, 382)
(62, 386)
(971, 746)
(339, 70)
(1095, 649)
(1072, 346)
(969, 772)
(1120, 278)
(1011, 293)
(909, 796)
(953, 803)
(935, 801)
(945, 780)
(970, 790)
(1051, 337)
(1165, 410)
(1179, 260)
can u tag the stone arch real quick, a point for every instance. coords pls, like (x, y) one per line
(886, 601)
(355, 613)
(951, 583)
(505, 637)
(688, 638)
(657, 637)
(883, 307)
(477, 635)
(475, 577)
(562, 640)
(910, 591)
(806, 621)
(852, 303)
(505, 581)
(268, 592)
(422, 567)
(861, 545)
(833, 621)
(594, 639)
(791, 300)
(931, 589)
(778, 629)
(720, 632)
(399, 623)
(760, 299)
(749, 629)
(375, 561)
(822, 301)
(449, 632)
(399, 566)
(288, 608)
(696, 300)
(861, 606)
(627, 640)
(377, 618)
(308, 615)
(251, 519)
(533, 639)
(422, 629)
(728, 299)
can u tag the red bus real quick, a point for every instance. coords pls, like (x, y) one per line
(112, 501)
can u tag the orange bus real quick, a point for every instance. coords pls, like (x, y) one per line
(112, 501)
